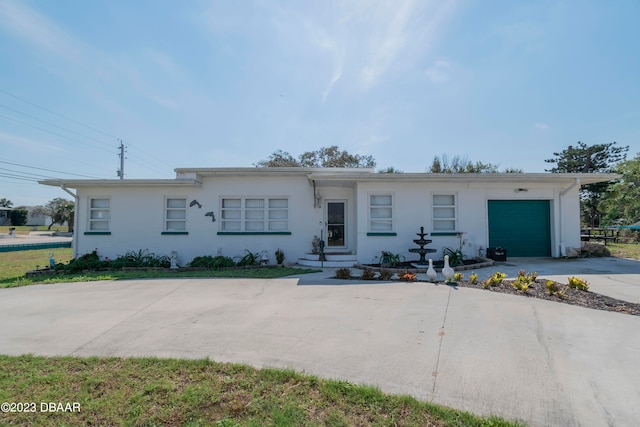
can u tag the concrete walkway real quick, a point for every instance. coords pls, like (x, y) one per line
(542, 362)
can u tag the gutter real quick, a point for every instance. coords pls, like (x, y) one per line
(563, 248)
(74, 238)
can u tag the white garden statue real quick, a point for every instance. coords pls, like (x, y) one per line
(431, 273)
(447, 271)
(174, 260)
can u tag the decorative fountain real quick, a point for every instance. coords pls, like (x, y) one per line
(422, 242)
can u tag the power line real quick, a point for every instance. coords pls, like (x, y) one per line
(52, 133)
(54, 125)
(20, 177)
(59, 115)
(27, 173)
(48, 170)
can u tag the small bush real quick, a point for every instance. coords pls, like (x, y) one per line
(279, 256)
(552, 288)
(368, 275)
(249, 259)
(213, 263)
(494, 280)
(473, 278)
(343, 273)
(458, 277)
(386, 274)
(524, 280)
(407, 276)
(578, 283)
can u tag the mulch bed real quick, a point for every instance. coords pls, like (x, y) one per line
(574, 296)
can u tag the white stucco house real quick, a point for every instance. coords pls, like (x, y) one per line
(358, 212)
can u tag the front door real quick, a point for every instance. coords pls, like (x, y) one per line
(336, 224)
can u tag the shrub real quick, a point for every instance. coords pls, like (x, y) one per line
(249, 259)
(279, 256)
(456, 257)
(368, 275)
(578, 283)
(473, 278)
(386, 274)
(89, 261)
(141, 258)
(552, 288)
(524, 280)
(18, 217)
(214, 263)
(458, 277)
(407, 276)
(343, 273)
(494, 280)
(391, 258)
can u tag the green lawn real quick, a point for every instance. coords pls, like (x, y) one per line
(26, 229)
(14, 265)
(624, 250)
(169, 392)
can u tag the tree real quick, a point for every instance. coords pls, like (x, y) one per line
(598, 158)
(390, 169)
(60, 210)
(5, 203)
(458, 164)
(326, 157)
(18, 217)
(621, 201)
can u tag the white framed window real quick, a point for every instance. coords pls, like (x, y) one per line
(444, 212)
(254, 214)
(99, 214)
(380, 213)
(175, 214)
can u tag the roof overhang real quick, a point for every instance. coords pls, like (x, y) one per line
(120, 183)
(324, 179)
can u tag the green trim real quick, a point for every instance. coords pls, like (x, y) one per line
(445, 233)
(97, 233)
(174, 233)
(254, 233)
(382, 234)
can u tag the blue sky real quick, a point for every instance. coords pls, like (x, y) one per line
(226, 83)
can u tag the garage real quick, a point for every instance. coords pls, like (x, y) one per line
(522, 227)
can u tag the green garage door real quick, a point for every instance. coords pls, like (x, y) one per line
(522, 227)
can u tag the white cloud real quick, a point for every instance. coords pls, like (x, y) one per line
(438, 72)
(27, 143)
(542, 126)
(26, 23)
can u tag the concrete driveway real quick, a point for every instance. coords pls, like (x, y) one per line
(542, 362)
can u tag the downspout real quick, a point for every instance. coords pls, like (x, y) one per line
(563, 249)
(74, 238)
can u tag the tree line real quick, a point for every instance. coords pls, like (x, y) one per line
(59, 210)
(601, 204)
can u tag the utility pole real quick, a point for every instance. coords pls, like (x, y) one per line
(121, 154)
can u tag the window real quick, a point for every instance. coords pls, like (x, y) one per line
(99, 214)
(175, 215)
(254, 214)
(380, 213)
(444, 212)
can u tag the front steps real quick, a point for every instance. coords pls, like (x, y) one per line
(333, 259)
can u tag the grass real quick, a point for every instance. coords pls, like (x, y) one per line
(624, 250)
(26, 229)
(14, 265)
(170, 392)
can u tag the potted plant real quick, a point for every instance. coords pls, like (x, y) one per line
(279, 256)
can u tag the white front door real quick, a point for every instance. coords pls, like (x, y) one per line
(336, 222)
